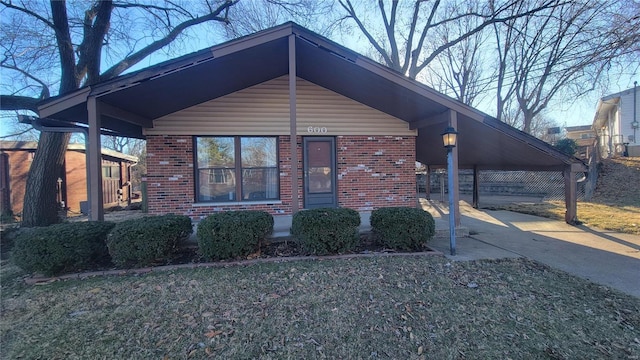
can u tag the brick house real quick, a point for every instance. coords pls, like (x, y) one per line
(15, 160)
(284, 120)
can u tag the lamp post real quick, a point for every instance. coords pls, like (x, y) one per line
(449, 138)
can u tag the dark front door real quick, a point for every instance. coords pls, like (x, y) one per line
(319, 172)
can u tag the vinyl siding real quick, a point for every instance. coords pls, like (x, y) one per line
(263, 109)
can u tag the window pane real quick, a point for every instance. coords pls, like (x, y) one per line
(217, 185)
(258, 152)
(215, 152)
(320, 179)
(260, 184)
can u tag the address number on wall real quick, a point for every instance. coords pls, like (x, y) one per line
(316, 130)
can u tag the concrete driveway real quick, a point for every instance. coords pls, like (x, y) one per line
(604, 257)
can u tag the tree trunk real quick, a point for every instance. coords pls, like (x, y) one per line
(40, 204)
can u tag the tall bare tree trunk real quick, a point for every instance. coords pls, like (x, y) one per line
(40, 205)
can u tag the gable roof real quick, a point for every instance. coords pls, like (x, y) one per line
(132, 101)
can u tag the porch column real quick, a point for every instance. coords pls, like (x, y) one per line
(570, 196)
(427, 188)
(94, 156)
(293, 124)
(453, 122)
(476, 185)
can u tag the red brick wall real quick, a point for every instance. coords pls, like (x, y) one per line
(19, 164)
(373, 172)
(376, 171)
(74, 180)
(170, 179)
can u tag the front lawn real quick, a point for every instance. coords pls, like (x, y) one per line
(381, 307)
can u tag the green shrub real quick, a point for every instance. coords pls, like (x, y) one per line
(62, 248)
(327, 230)
(232, 234)
(403, 228)
(140, 242)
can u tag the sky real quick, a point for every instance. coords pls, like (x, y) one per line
(564, 113)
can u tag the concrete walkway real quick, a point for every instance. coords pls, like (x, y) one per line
(604, 257)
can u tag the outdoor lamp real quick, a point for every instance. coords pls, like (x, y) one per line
(449, 137)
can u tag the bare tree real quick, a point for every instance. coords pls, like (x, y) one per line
(459, 69)
(402, 42)
(560, 51)
(255, 15)
(52, 44)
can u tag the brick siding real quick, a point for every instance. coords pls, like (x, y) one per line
(373, 172)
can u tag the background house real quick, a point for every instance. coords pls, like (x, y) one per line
(616, 123)
(15, 160)
(584, 137)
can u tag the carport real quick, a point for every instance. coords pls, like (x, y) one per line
(129, 104)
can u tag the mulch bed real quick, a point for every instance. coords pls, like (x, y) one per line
(277, 248)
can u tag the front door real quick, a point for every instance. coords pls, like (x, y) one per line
(319, 172)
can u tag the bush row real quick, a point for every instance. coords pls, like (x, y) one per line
(335, 230)
(80, 246)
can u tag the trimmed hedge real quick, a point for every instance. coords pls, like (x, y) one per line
(62, 248)
(141, 242)
(231, 234)
(403, 228)
(326, 230)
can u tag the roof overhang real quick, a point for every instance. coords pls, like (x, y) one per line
(131, 102)
(604, 108)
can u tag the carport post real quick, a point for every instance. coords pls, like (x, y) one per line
(96, 210)
(570, 196)
(293, 127)
(475, 187)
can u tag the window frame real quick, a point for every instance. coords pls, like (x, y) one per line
(237, 170)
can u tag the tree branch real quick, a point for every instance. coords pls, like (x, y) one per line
(46, 21)
(69, 80)
(352, 14)
(138, 56)
(91, 47)
(45, 89)
(16, 102)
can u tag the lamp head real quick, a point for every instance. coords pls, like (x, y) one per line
(449, 137)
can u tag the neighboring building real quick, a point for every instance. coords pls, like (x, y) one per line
(584, 137)
(617, 123)
(72, 189)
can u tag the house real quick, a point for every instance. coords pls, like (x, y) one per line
(285, 120)
(15, 160)
(585, 138)
(617, 123)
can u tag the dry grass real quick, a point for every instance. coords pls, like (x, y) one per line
(615, 205)
(406, 308)
(624, 219)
